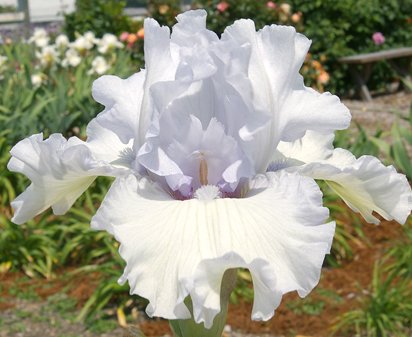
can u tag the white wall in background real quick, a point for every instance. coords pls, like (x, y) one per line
(45, 10)
(8, 3)
(49, 10)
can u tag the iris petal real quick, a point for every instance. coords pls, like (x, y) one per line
(122, 100)
(277, 231)
(365, 184)
(61, 170)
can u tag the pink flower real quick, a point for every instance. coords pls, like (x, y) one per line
(222, 6)
(271, 4)
(124, 36)
(378, 38)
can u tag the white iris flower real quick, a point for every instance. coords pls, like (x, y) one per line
(62, 41)
(40, 38)
(71, 58)
(212, 172)
(99, 66)
(108, 43)
(48, 56)
(84, 42)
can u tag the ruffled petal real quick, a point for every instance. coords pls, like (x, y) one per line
(182, 144)
(61, 170)
(122, 99)
(175, 248)
(159, 67)
(305, 109)
(314, 146)
(365, 184)
(277, 53)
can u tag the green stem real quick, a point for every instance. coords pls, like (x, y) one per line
(189, 328)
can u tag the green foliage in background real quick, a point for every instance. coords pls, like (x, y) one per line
(98, 16)
(385, 309)
(62, 103)
(342, 28)
(258, 11)
(164, 11)
(336, 28)
(400, 255)
(399, 149)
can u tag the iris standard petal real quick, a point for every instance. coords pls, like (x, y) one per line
(175, 248)
(122, 99)
(305, 109)
(159, 66)
(314, 146)
(277, 53)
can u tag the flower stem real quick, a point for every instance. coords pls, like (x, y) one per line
(189, 328)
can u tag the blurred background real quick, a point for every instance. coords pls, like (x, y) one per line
(59, 278)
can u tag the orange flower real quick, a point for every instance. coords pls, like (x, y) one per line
(323, 77)
(296, 17)
(316, 65)
(140, 33)
(132, 38)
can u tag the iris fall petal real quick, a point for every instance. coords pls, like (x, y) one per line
(278, 232)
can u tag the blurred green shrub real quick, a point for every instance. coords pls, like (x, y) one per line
(341, 28)
(336, 28)
(164, 11)
(225, 12)
(98, 16)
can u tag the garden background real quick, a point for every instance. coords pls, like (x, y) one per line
(59, 278)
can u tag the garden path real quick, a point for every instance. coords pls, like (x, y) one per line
(381, 112)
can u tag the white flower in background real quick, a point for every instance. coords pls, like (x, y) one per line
(3, 65)
(211, 169)
(286, 8)
(62, 41)
(71, 58)
(40, 38)
(99, 66)
(37, 79)
(81, 44)
(90, 37)
(85, 42)
(48, 56)
(108, 43)
(3, 61)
